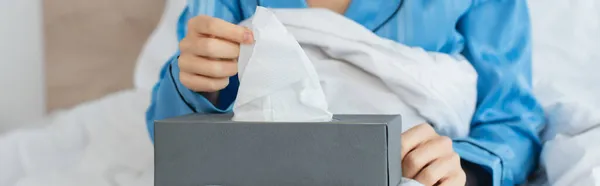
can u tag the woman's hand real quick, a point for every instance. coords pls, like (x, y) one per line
(429, 158)
(209, 52)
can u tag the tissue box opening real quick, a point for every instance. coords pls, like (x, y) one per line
(210, 149)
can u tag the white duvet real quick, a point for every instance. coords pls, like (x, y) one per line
(105, 142)
(567, 83)
(361, 73)
(100, 143)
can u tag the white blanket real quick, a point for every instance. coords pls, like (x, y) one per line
(100, 143)
(566, 58)
(362, 73)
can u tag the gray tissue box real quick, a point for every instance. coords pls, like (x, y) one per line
(211, 150)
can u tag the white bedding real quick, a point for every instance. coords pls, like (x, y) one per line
(100, 143)
(567, 83)
(398, 79)
(105, 142)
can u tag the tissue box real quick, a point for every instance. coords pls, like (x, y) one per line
(211, 150)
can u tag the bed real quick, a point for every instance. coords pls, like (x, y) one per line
(105, 143)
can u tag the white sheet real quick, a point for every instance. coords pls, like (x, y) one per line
(381, 76)
(566, 63)
(100, 143)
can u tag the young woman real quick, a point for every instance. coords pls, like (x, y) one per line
(494, 35)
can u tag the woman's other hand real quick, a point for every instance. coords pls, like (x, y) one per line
(429, 158)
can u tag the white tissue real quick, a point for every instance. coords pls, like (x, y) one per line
(277, 80)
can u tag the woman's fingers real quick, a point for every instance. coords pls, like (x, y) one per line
(208, 53)
(209, 47)
(212, 68)
(415, 136)
(439, 170)
(206, 25)
(200, 83)
(424, 154)
(430, 158)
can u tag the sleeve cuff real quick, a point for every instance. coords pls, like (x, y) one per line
(196, 101)
(471, 152)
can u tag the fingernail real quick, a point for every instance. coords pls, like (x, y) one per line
(248, 38)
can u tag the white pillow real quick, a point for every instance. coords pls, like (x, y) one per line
(159, 47)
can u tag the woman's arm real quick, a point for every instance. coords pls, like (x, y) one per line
(504, 137)
(169, 97)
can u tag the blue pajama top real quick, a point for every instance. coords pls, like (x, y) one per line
(494, 35)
